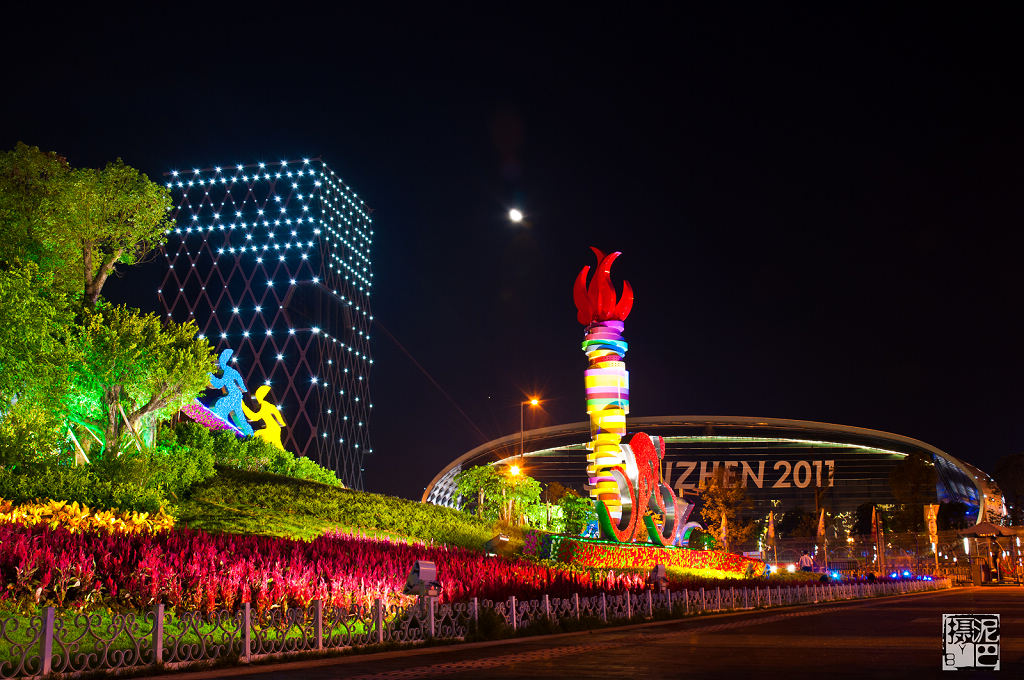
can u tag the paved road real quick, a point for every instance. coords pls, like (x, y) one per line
(888, 638)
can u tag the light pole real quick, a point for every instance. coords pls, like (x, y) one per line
(522, 450)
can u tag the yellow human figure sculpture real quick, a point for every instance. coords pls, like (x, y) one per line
(271, 417)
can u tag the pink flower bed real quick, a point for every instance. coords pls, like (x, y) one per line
(193, 569)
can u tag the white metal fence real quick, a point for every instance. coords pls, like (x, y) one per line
(73, 643)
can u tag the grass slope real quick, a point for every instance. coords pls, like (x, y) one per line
(238, 501)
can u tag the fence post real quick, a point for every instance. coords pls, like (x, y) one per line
(686, 600)
(430, 614)
(246, 632)
(318, 624)
(668, 595)
(512, 611)
(768, 591)
(733, 593)
(604, 607)
(629, 606)
(158, 634)
(476, 611)
(757, 597)
(378, 619)
(746, 597)
(547, 606)
(703, 601)
(576, 604)
(650, 604)
(718, 598)
(46, 642)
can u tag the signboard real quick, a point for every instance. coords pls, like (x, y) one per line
(686, 476)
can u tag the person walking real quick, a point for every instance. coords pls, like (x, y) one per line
(806, 562)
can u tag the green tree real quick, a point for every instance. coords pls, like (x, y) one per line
(109, 216)
(720, 497)
(479, 486)
(36, 353)
(132, 361)
(35, 337)
(576, 512)
(1009, 474)
(521, 494)
(29, 180)
(78, 223)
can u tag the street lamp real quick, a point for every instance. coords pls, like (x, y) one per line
(515, 215)
(522, 449)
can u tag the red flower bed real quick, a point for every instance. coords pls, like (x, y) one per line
(193, 569)
(638, 556)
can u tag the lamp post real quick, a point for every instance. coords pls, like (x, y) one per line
(522, 450)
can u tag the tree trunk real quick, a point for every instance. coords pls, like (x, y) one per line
(86, 271)
(94, 284)
(112, 433)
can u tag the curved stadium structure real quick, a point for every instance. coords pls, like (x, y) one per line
(787, 461)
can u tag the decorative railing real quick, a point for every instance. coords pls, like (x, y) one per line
(76, 643)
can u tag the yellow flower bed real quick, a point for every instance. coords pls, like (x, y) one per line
(77, 518)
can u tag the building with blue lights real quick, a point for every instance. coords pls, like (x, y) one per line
(272, 260)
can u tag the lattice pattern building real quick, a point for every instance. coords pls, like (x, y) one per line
(272, 260)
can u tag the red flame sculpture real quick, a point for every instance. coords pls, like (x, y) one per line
(597, 302)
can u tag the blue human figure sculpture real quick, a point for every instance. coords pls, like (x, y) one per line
(229, 406)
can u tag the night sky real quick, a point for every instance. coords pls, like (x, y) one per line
(820, 214)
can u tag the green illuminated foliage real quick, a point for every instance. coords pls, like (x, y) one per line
(36, 352)
(253, 453)
(132, 361)
(576, 512)
(29, 180)
(477, 486)
(78, 223)
(497, 496)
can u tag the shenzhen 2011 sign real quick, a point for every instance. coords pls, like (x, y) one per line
(633, 502)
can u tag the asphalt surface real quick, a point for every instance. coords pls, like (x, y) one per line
(898, 637)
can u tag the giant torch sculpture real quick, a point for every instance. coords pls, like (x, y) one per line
(606, 378)
(633, 503)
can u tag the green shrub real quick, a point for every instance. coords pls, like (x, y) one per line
(254, 492)
(136, 480)
(251, 454)
(84, 484)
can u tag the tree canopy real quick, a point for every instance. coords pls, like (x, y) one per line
(78, 223)
(135, 362)
(493, 495)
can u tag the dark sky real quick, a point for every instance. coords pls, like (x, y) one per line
(820, 214)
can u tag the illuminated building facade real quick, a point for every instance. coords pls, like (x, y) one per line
(272, 261)
(781, 463)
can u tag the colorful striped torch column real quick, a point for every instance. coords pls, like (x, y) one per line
(606, 378)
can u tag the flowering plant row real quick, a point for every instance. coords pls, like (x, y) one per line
(188, 568)
(77, 518)
(606, 554)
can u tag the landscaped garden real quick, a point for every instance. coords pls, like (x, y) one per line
(112, 503)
